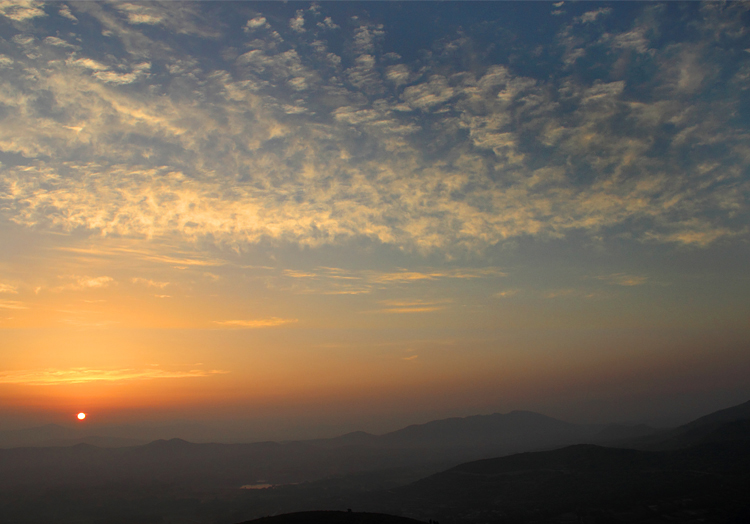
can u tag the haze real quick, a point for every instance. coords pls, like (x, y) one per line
(287, 220)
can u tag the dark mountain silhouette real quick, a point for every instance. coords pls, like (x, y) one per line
(36, 436)
(613, 433)
(703, 483)
(739, 412)
(689, 434)
(106, 436)
(179, 481)
(427, 448)
(333, 517)
(517, 429)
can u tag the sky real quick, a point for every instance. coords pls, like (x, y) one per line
(298, 219)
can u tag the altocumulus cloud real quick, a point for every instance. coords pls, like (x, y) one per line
(282, 139)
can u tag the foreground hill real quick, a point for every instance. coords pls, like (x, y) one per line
(333, 517)
(692, 433)
(706, 482)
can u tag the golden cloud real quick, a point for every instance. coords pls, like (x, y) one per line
(255, 323)
(54, 377)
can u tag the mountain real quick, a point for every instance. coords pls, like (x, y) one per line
(514, 430)
(103, 436)
(692, 433)
(425, 448)
(615, 433)
(586, 483)
(333, 517)
(426, 471)
(35, 436)
(53, 435)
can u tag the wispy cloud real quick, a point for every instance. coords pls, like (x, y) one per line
(624, 279)
(84, 282)
(255, 323)
(12, 304)
(413, 306)
(339, 281)
(82, 375)
(149, 282)
(569, 292)
(7, 288)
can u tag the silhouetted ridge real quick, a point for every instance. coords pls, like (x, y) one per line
(587, 483)
(172, 443)
(695, 432)
(619, 432)
(740, 412)
(504, 433)
(578, 457)
(333, 517)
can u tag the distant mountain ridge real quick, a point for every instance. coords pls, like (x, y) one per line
(496, 432)
(452, 470)
(429, 447)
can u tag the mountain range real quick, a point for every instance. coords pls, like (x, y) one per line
(496, 467)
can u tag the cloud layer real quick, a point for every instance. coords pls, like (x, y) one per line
(627, 133)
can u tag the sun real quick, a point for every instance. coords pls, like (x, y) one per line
(81, 416)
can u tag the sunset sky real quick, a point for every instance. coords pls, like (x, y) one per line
(299, 219)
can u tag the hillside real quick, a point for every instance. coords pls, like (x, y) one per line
(706, 482)
(333, 517)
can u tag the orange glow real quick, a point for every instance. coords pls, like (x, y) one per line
(81, 416)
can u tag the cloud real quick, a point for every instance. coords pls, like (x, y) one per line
(406, 276)
(96, 282)
(569, 292)
(277, 143)
(623, 279)
(85, 282)
(339, 281)
(299, 274)
(298, 22)
(21, 10)
(65, 12)
(182, 19)
(7, 288)
(256, 23)
(328, 23)
(255, 323)
(591, 16)
(148, 282)
(56, 377)
(105, 74)
(415, 276)
(12, 304)
(426, 95)
(58, 42)
(413, 306)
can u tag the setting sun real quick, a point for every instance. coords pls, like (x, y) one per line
(81, 416)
